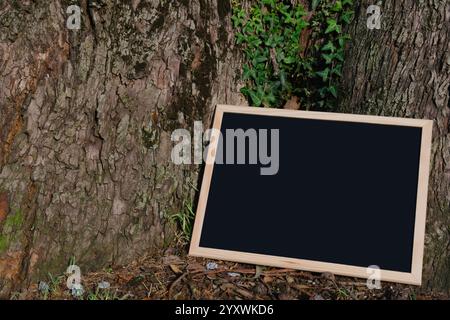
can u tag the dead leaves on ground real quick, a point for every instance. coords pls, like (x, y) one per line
(175, 276)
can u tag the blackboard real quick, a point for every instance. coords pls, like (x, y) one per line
(346, 192)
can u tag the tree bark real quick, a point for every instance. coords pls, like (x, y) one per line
(85, 126)
(86, 118)
(403, 70)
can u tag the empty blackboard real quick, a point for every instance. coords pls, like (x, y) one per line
(344, 192)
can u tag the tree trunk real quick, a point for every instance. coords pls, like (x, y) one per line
(86, 117)
(403, 69)
(85, 126)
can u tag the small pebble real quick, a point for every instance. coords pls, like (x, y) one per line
(233, 274)
(43, 286)
(104, 285)
(211, 266)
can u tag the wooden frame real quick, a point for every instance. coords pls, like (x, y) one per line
(414, 277)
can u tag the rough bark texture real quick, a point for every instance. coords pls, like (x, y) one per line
(403, 70)
(85, 124)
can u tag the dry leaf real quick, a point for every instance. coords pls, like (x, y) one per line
(195, 267)
(290, 279)
(227, 286)
(292, 104)
(245, 293)
(175, 268)
(172, 259)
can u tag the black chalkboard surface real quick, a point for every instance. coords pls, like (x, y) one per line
(341, 192)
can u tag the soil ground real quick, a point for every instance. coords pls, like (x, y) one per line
(173, 275)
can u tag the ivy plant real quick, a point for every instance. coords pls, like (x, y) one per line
(278, 65)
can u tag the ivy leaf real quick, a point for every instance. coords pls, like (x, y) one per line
(236, 21)
(289, 60)
(337, 71)
(288, 19)
(315, 4)
(255, 99)
(245, 72)
(278, 39)
(260, 59)
(271, 99)
(245, 91)
(347, 16)
(300, 12)
(328, 58)
(329, 47)
(332, 26)
(248, 73)
(255, 42)
(333, 91)
(240, 38)
(269, 2)
(337, 6)
(323, 74)
(340, 55)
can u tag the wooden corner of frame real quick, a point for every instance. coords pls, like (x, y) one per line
(193, 250)
(417, 279)
(220, 107)
(428, 124)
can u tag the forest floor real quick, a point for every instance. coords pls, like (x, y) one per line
(173, 275)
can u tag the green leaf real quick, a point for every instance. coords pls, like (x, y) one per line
(333, 91)
(328, 58)
(300, 12)
(323, 74)
(288, 19)
(245, 91)
(329, 47)
(289, 60)
(323, 92)
(240, 38)
(248, 73)
(260, 59)
(337, 71)
(270, 97)
(255, 99)
(347, 16)
(340, 55)
(255, 42)
(315, 4)
(337, 7)
(332, 26)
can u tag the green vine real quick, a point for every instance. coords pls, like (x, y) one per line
(292, 51)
